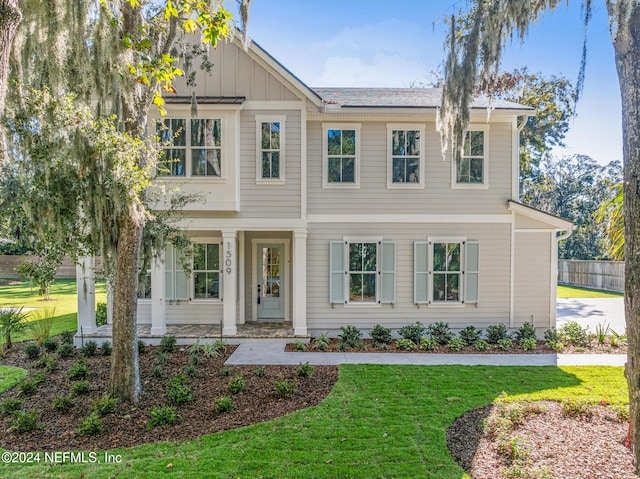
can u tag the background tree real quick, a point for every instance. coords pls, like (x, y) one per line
(610, 214)
(574, 187)
(473, 59)
(117, 57)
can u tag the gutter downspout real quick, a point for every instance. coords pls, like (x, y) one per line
(554, 276)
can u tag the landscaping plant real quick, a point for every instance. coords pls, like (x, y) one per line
(12, 322)
(441, 332)
(163, 415)
(497, 332)
(380, 335)
(470, 335)
(351, 337)
(413, 332)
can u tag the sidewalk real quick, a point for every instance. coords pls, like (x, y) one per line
(271, 352)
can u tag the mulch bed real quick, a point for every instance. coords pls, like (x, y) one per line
(541, 348)
(569, 447)
(127, 425)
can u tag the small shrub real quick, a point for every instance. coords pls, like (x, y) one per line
(157, 371)
(162, 358)
(321, 343)
(63, 403)
(555, 345)
(284, 388)
(380, 334)
(101, 314)
(168, 344)
(41, 324)
(227, 371)
(514, 449)
(25, 421)
(163, 416)
(405, 344)
(142, 347)
(89, 348)
(79, 370)
(32, 351)
(505, 344)
(9, 406)
(576, 408)
(305, 370)
(300, 346)
(91, 425)
(412, 332)
(481, 345)
(47, 363)
(526, 331)
(428, 344)
(66, 351)
(67, 337)
(50, 344)
(528, 344)
(456, 344)
(522, 470)
(28, 385)
(104, 405)
(213, 349)
(351, 337)
(602, 332)
(574, 334)
(106, 348)
(237, 384)
(260, 372)
(80, 387)
(551, 336)
(497, 332)
(470, 335)
(178, 391)
(195, 359)
(224, 404)
(440, 332)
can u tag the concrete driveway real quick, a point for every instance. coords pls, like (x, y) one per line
(591, 311)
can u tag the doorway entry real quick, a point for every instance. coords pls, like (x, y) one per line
(271, 281)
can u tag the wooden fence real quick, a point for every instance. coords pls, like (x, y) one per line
(9, 265)
(605, 275)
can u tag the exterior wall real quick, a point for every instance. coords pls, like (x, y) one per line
(437, 196)
(533, 279)
(493, 305)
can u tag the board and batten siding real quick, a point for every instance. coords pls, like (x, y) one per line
(493, 305)
(437, 196)
(532, 279)
(264, 200)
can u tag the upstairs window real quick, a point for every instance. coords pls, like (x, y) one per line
(406, 155)
(341, 155)
(270, 149)
(471, 164)
(191, 148)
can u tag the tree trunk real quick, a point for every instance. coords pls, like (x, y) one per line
(124, 381)
(10, 18)
(625, 17)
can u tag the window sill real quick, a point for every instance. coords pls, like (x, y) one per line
(470, 186)
(363, 305)
(447, 305)
(193, 179)
(262, 181)
(405, 186)
(341, 186)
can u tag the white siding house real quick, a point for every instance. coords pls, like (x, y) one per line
(323, 207)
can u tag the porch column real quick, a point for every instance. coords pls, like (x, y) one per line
(158, 291)
(300, 282)
(229, 282)
(86, 284)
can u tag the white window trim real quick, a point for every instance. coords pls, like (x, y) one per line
(225, 144)
(259, 120)
(362, 239)
(446, 304)
(212, 240)
(485, 164)
(325, 155)
(405, 126)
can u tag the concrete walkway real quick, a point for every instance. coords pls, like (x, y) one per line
(271, 352)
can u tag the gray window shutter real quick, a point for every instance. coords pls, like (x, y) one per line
(387, 272)
(337, 272)
(471, 271)
(421, 272)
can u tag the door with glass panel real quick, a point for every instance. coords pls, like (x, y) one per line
(270, 276)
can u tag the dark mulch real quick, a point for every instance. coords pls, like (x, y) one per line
(127, 426)
(541, 348)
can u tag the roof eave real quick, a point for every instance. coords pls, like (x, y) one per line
(560, 224)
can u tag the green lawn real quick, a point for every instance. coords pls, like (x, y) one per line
(9, 376)
(379, 421)
(577, 292)
(63, 298)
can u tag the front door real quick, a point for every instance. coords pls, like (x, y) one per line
(271, 284)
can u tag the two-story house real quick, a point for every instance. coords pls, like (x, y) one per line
(324, 207)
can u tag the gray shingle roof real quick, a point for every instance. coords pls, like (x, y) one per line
(399, 98)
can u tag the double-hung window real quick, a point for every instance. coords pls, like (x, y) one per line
(191, 147)
(472, 162)
(446, 271)
(341, 150)
(204, 280)
(362, 271)
(270, 148)
(405, 155)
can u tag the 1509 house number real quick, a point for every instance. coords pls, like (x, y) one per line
(228, 258)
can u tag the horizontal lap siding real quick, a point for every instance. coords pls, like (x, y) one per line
(186, 312)
(274, 201)
(437, 197)
(533, 278)
(494, 277)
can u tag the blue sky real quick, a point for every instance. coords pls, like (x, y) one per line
(397, 43)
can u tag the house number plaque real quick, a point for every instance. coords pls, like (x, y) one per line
(228, 261)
